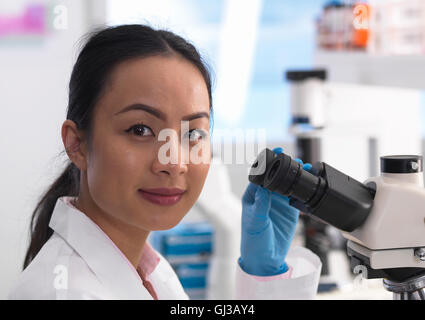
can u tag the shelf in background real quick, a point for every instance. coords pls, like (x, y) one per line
(406, 71)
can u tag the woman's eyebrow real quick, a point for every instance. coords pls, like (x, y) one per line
(159, 114)
(143, 107)
(196, 116)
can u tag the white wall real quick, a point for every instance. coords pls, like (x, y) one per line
(33, 101)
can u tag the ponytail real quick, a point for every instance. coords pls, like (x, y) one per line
(67, 184)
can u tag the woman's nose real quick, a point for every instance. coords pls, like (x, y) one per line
(171, 159)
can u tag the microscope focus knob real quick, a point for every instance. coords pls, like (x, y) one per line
(401, 164)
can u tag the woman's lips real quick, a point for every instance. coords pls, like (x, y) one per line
(162, 196)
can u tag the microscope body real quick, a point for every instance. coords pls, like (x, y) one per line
(341, 123)
(395, 227)
(383, 218)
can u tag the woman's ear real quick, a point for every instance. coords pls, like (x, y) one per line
(75, 144)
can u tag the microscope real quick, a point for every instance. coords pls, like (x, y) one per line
(382, 218)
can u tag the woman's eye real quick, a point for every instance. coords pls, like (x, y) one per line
(140, 130)
(196, 135)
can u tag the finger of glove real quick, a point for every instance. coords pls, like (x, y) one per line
(261, 206)
(253, 194)
(255, 216)
(280, 199)
(256, 200)
(284, 228)
(281, 204)
(278, 150)
(249, 194)
(307, 166)
(282, 213)
(284, 219)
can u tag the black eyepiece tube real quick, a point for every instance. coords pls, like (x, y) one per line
(326, 193)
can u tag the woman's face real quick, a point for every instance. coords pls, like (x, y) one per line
(139, 144)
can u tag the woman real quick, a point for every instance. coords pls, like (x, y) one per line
(126, 178)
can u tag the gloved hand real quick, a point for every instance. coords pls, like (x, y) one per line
(268, 226)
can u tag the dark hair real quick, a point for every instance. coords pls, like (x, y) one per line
(103, 50)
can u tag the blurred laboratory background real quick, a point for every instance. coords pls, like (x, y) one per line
(335, 81)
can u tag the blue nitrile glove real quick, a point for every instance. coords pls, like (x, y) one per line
(268, 226)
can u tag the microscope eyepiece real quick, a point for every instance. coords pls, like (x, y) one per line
(401, 164)
(258, 169)
(287, 177)
(325, 192)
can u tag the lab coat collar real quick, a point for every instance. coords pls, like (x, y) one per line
(102, 256)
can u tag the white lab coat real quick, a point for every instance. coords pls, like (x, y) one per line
(80, 261)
